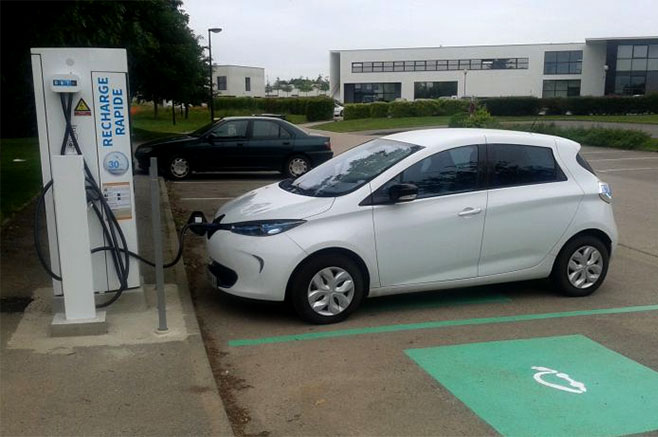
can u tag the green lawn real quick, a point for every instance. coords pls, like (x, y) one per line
(366, 124)
(20, 180)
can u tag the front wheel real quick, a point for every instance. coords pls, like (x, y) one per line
(179, 167)
(581, 266)
(327, 289)
(296, 166)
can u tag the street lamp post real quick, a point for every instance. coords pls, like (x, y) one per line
(210, 101)
(605, 77)
(465, 73)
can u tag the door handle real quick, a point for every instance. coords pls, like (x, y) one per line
(240, 144)
(466, 212)
(286, 143)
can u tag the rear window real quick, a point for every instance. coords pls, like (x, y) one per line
(584, 164)
(512, 165)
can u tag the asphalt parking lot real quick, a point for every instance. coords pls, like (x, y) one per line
(455, 362)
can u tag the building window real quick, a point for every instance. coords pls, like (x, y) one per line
(561, 88)
(442, 65)
(247, 84)
(221, 83)
(372, 92)
(637, 68)
(563, 62)
(434, 90)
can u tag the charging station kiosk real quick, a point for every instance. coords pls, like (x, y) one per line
(95, 81)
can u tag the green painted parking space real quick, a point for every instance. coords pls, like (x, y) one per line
(553, 386)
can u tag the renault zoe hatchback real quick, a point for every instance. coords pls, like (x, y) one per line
(418, 211)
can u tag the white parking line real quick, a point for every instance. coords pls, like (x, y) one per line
(207, 198)
(623, 159)
(627, 169)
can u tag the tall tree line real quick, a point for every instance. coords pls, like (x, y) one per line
(165, 59)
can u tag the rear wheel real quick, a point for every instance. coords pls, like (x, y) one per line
(296, 166)
(179, 167)
(327, 289)
(581, 266)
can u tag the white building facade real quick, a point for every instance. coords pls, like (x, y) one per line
(596, 67)
(238, 81)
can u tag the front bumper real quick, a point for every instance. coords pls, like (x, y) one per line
(252, 267)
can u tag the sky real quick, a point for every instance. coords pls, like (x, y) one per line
(292, 38)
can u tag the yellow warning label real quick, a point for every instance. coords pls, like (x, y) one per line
(81, 109)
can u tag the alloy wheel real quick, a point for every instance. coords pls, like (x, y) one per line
(297, 166)
(179, 167)
(585, 267)
(331, 291)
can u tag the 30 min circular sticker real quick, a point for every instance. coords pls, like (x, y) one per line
(116, 163)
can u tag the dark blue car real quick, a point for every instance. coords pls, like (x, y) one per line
(237, 144)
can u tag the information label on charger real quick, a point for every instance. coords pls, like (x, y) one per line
(118, 197)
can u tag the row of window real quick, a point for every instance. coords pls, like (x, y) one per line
(638, 57)
(221, 83)
(457, 170)
(563, 62)
(441, 65)
(434, 90)
(260, 129)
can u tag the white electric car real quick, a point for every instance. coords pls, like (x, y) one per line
(417, 211)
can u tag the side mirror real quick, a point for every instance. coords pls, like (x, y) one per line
(211, 136)
(403, 192)
(197, 223)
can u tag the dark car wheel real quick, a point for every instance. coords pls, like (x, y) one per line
(296, 166)
(581, 266)
(327, 289)
(178, 167)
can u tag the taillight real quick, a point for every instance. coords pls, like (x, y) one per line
(327, 144)
(605, 192)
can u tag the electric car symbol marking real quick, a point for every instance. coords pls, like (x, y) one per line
(576, 387)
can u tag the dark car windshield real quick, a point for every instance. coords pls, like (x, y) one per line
(351, 170)
(203, 129)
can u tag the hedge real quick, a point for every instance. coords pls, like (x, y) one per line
(403, 108)
(585, 105)
(314, 108)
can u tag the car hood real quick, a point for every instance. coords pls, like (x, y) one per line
(272, 202)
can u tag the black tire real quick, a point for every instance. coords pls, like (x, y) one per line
(561, 268)
(296, 166)
(174, 169)
(301, 282)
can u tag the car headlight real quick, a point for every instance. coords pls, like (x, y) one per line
(145, 150)
(264, 228)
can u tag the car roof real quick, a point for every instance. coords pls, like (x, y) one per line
(444, 137)
(252, 117)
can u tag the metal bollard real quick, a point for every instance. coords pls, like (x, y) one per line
(157, 245)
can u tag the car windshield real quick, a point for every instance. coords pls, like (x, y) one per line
(350, 170)
(203, 129)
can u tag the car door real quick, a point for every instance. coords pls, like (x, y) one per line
(220, 148)
(437, 236)
(531, 203)
(268, 146)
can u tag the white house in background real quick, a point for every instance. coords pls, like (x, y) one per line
(238, 80)
(596, 67)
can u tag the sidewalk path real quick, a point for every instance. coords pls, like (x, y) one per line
(130, 381)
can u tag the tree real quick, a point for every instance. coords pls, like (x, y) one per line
(164, 58)
(268, 88)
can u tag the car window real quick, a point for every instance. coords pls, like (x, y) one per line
(265, 129)
(231, 129)
(352, 169)
(512, 164)
(448, 172)
(584, 164)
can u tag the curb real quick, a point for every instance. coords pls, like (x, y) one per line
(202, 371)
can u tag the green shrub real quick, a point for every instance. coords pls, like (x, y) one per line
(401, 108)
(250, 103)
(451, 106)
(512, 105)
(319, 108)
(379, 110)
(595, 136)
(480, 118)
(425, 107)
(353, 111)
